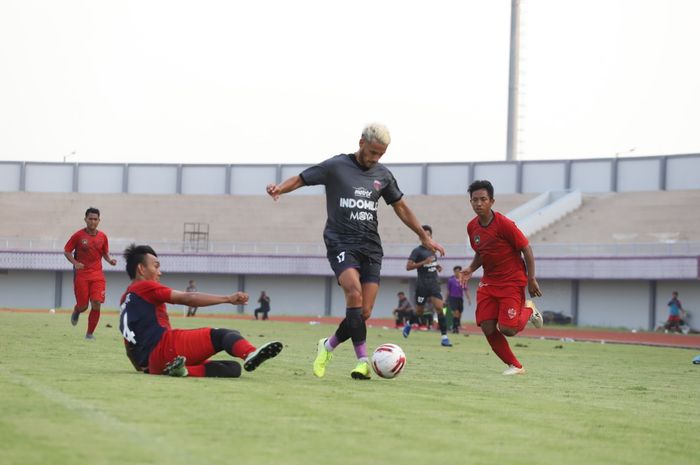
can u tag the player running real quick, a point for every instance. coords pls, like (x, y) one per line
(424, 261)
(354, 184)
(154, 347)
(499, 246)
(85, 250)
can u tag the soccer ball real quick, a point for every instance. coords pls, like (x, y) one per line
(388, 360)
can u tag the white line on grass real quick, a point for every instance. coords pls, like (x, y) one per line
(169, 451)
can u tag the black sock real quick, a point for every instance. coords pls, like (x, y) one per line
(224, 339)
(358, 328)
(442, 322)
(222, 369)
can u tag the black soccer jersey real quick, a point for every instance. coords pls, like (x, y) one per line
(352, 198)
(427, 272)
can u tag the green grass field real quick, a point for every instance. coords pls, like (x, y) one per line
(65, 400)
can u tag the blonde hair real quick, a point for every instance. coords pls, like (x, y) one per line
(376, 132)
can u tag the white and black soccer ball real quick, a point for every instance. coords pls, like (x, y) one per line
(388, 360)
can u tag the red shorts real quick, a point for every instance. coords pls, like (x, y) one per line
(674, 319)
(502, 303)
(89, 290)
(195, 344)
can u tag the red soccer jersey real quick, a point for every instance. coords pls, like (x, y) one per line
(154, 293)
(499, 245)
(89, 251)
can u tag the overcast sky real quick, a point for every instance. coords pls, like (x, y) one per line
(282, 81)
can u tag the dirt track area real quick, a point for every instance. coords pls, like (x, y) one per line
(687, 341)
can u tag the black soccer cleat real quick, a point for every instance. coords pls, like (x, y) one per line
(264, 352)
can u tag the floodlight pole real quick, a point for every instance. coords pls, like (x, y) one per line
(512, 142)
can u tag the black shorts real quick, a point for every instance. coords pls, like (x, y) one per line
(455, 303)
(368, 264)
(426, 290)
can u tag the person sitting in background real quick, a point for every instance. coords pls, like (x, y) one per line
(404, 312)
(264, 307)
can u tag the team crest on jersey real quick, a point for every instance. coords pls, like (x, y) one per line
(511, 313)
(377, 185)
(84, 242)
(477, 239)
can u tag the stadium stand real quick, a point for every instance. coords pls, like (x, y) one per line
(246, 219)
(629, 217)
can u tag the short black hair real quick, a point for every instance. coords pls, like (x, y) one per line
(94, 210)
(457, 268)
(401, 293)
(426, 227)
(135, 255)
(481, 184)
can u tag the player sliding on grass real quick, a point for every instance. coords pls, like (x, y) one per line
(501, 308)
(154, 347)
(354, 184)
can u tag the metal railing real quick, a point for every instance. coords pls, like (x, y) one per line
(642, 249)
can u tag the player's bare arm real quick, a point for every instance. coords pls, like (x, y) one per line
(74, 262)
(289, 185)
(409, 219)
(109, 259)
(532, 286)
(467, 272)
(200, 299)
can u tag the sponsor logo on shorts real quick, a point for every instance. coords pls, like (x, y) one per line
(511, 313)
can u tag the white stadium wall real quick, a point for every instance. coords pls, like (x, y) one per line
(203, 180)
(638, 175)
(591, 176)
(49, 177)
(101, 179)
(614, 303)
(611, 303)
(10, 177)
(251, 180)
(544, 176)
(557, 295)
(673, 172)
(409, 178)
(504, 176)
(152, 179)
(682, 172)
(27, 289)
(448, 179)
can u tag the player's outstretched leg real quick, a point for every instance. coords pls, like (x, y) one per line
(536, 317)
(264, 352)
(323, 356)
